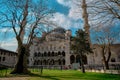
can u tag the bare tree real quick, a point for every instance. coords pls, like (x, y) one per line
(104, 11)
(26, 18)
(106, 37)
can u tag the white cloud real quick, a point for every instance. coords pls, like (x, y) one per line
(65, 21)
(10, 44)
(72, 19)
(65, 2)
(8, 29)
(75, 10)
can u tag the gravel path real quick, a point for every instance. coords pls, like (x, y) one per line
(15, 78)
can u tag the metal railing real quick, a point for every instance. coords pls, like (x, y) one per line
(113, 68)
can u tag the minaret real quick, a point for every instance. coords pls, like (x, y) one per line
(85, 18)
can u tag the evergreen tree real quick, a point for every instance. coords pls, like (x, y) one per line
(81, 45)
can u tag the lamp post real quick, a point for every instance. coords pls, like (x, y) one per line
(61, 61)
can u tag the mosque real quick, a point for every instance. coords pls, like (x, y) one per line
(53, 50)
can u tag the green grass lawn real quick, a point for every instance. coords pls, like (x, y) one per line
(73, 75)
(68, 75)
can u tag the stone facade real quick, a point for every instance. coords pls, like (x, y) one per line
(7, 58)
(96, 57)
(53, 49)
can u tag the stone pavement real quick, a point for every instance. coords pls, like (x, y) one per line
(15, 78)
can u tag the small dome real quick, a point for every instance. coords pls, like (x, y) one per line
(59, 30)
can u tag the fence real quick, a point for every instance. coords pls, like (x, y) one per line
(34, 69)
(113, 68)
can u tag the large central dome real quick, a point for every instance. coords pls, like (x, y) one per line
(56, 34)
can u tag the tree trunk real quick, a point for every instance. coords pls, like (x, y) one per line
(109, 54)
(105, 61)
(82, 65)
(41, 70)
(21, 66)
(106, 65)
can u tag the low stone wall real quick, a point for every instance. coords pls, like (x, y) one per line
(105, 71)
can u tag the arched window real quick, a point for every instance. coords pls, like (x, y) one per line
(55, 54)
(44, 62)
(3, 58)
(52, 53)
(38, 62)
(35, 54)
(78, 59)
(113, 60)
(48, 54)
(72, 59)
(52, 62)
(84, 59)
(59, 53)
(39, 54)
(63, 62)
(42, 55)
(41, 62)
(45, 54)
(59, 62)
(63, 53)
(35, 62)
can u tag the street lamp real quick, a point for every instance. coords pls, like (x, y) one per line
(60, 56)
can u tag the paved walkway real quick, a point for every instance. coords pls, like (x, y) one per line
(15, 78)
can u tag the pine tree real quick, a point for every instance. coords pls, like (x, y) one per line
(81, 45)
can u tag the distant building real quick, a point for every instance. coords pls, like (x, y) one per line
(7, 58)
(96, 57)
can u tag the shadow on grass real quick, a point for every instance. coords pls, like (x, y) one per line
(31, 75)
(78, 76)
(66, 75)
(57, 77)
(43, 76)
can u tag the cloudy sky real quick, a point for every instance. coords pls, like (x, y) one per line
(66, 16)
